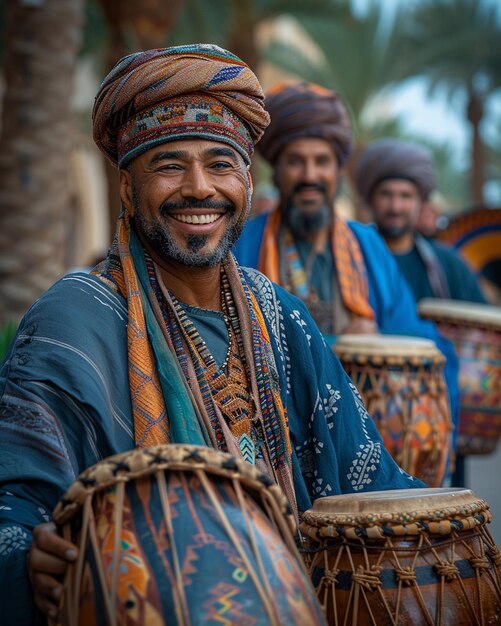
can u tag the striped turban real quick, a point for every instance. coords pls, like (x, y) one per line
(393, 158)
(305, 110)
(157, 96)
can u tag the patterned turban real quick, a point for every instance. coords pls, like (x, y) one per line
(162, 95)
(393, 158)
(305, 110)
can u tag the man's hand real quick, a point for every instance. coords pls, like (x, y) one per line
(47, 561)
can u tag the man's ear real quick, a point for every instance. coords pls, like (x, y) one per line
(249, 178)
(126, 193)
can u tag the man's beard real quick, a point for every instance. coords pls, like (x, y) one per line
(394, 232)
(303, 224)
(161, 240)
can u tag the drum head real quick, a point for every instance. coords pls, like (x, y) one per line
(384, 346)
(400, 506)
(459, 311)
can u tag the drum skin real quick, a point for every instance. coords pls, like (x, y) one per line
(419, 559)
(401, 380)
(181, 535)
(475, 330)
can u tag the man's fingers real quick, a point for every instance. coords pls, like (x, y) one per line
(39, 561)
(48, 586)
(46, 605)
(46, 539)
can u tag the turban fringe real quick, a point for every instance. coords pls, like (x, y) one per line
(187, 91)
(393, 158)
(305, 110)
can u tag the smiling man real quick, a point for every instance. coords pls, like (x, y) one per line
(395, 178)
(168, 339)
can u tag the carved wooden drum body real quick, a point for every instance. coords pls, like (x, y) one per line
(475, 330)
(401, 380)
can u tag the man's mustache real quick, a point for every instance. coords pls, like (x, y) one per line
(168, 207)
(302, 185)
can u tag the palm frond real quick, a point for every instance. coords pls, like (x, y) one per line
(7, 332)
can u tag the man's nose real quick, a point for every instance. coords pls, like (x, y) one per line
(395, 204)
(197, 184)
(310, 173)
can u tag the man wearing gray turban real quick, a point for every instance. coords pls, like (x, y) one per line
(395, 178)
(342, 270)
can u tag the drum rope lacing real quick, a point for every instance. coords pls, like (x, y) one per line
(368, 577)
(112, 476)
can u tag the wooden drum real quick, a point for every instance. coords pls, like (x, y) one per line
(181, 535)
(416, 557)
(401, 380)
(475, 330)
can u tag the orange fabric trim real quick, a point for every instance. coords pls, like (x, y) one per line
(148, 406)
(269, 263)
(351, 271)
(348, 258)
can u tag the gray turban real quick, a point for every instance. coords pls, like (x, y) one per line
(393, 158)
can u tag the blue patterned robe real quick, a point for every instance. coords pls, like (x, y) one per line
(65, 405)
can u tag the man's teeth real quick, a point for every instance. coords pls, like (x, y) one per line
(197, 219)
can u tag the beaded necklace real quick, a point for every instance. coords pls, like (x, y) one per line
(296, 275)
(228, 383)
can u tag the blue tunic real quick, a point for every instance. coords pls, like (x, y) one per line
(65, 405)
(390, 297)
(461, 281)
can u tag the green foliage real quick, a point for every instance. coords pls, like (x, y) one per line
(7, 332)
(455, 43)
(95, 34)
(217, 20)
(204, 22)
(359, 58)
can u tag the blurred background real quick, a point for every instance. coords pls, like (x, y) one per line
(425, 70)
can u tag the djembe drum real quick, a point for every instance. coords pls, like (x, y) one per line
(475, 330)
(183, 535)
(411, 557)
(401, 380)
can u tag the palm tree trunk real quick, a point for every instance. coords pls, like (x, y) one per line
(475, 113)
(134, 26)
(242, 40)
(42, 42)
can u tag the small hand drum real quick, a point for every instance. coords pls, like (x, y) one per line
(401, 380)
(181, 535)
(408, 557)
(475, 330)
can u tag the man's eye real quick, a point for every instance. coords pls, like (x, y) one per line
(168, 167)
(220, 165)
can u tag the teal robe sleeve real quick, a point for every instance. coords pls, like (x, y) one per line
(64, 405)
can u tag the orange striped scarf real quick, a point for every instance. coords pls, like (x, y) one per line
(348, 259)
(148, 406)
